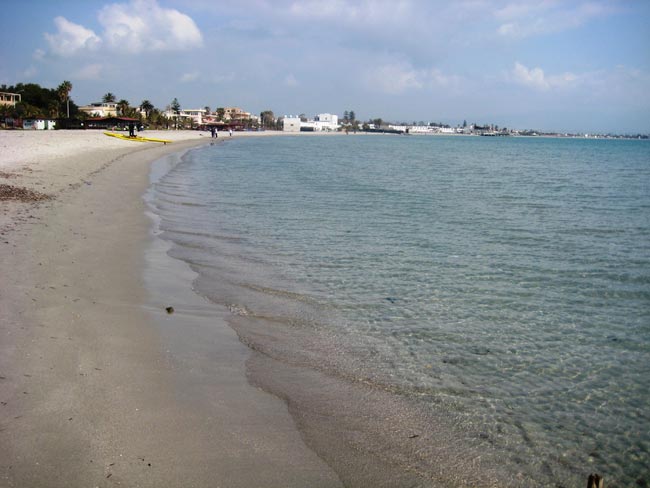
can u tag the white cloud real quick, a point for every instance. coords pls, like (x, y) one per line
(522, 20)
(222, 77)
(400, 77)
(137, 26)
(143, 25)
(537, 79)
(377, 12)
(394, 78)
(291, 80)
(89, 72)
(187, 77)
(71, 38)
(30, 72)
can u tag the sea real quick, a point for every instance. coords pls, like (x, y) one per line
(452, 310)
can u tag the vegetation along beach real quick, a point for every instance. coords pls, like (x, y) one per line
(324, 244)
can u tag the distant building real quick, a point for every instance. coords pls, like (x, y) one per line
(197, 115)
(7, 98)
(320, 123)
(113, 122)
(326, 122)
(291, 123)
(100, 109)
(235, 114)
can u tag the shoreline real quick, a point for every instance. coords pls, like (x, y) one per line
(98, 384)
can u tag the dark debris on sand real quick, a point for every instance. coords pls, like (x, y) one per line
(10, 192)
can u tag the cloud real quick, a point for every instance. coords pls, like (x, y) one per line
(71, 38)
(400, 77)
(394, 78)
(536, 78)
(222, 77)
(291, 80)
(359, 13)
(30, 72)
(187, 77)
(521, 20)
(138, 26)
(89, 72)
(143, 25)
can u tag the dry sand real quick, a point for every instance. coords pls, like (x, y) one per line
(99, 385)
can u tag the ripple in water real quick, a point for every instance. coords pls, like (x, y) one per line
(501, 286)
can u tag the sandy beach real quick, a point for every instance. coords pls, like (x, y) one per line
(99, 384)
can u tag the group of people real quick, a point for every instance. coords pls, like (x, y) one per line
(215, 132)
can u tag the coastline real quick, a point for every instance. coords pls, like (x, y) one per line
(99, 384)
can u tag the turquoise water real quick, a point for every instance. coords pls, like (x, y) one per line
(502, 283)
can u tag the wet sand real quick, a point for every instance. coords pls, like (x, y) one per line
(99, 384)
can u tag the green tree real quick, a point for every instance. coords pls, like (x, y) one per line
(36, 101)
(267, 119)
(146, 106)
(63, 91)
(176, 108)
(123, 107)
(157, 119)
(109, 98)
(221, 113)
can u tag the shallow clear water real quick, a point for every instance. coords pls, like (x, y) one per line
(504, 280)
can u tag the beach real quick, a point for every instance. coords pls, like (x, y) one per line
(320, 311)
(110, 372)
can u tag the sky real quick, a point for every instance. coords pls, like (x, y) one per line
(578, 66)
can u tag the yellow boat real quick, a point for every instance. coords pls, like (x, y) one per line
(137, 138)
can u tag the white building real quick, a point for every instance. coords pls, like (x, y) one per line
(100, 109)
(320, 123)
(326, 122)
(291, 123)
(197, 115)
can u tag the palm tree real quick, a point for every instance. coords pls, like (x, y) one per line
(123, 107)
(109, 98)
(63, 91)
(146, 106)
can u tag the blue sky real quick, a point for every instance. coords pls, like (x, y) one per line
(544, 64)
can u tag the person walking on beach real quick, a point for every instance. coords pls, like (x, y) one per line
(131, 129)
(212, 130)
(230, 132)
